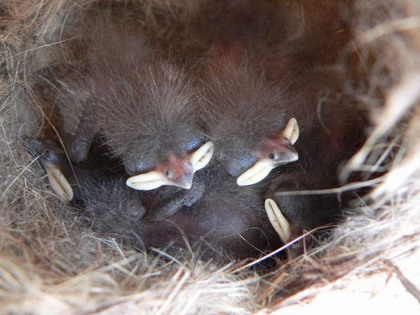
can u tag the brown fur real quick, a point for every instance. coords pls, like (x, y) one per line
(51, 261)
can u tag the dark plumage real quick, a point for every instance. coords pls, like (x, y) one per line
(243, 113)
(227, 218)
(331, 131)
(248, 119)
(219, 217)
(142, 106)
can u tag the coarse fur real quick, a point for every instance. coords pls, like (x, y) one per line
(141, 105)
(329, 136)
(240, 110)
(203, 223)
(244, 107)
(227, 223)
(50, 260)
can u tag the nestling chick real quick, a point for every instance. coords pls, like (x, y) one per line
(248, 120)
(227, 219)
(143, 107)
(331, 131)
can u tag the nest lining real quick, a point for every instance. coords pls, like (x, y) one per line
(51, 260)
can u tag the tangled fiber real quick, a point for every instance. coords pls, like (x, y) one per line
(51, 262)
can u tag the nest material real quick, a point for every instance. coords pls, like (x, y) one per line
(52, 263)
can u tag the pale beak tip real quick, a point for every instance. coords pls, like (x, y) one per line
(241, 182)
(280, 224)
(255, 173)
(202, 156)
(147, 181)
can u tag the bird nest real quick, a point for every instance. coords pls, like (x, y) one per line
(51, 262)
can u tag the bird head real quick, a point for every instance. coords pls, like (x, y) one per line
(273, 151)
(175, 170)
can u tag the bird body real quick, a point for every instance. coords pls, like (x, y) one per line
(332, 129)
(143, 106)
(220, 218)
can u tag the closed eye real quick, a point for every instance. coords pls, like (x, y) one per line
(191, 145)
(139, 165)
(236, 167)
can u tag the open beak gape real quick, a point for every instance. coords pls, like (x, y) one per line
(273, 153)
(175, 171)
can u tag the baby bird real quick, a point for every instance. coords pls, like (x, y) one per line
(248, 119)
(142, 106)
(332, 129)
(227, 220)
(224, 222)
